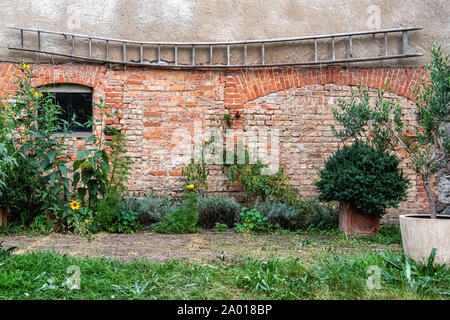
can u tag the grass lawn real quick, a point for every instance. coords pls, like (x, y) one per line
(323, 273)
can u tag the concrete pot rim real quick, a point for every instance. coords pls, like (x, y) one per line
(425, 217)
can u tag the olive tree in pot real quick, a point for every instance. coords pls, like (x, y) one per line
(426, 144)
(429, 151)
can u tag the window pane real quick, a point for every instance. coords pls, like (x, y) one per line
(79, 104)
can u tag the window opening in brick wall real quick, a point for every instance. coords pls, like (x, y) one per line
(74, 100)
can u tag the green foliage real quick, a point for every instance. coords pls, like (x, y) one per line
(324, 276)
(91, 176)
(42, 225)
(220, 227)
(258, 183)
(30, 129)
(120, 163)
(183, 219)
(320, 216)
(421, 278)
(279, 213)
(368, 180)
(92, 167)
(197, 174)
(114, 216)
(100, 178)
(228, 119)
(151, 209)
(252, 221)
(389, 234)
(20, 194)
(128, 222)
(217, 209)
(383, 126)
(5, 253)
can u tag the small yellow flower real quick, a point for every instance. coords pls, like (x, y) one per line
(26, 66)
(87, 221)
(190, 187)
(75, 205)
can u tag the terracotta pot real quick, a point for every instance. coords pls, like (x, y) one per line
(3, 216)
(420, 234)
(352, 222)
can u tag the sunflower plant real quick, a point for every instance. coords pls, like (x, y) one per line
(32, 135)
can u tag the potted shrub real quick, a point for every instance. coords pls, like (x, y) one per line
(366, 181)
(427, 145)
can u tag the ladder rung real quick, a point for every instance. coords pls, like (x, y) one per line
(262, 53)
(315, 50)
(210, 55)
(159, 54)
(386, 45)
(245, 54)
(405, 42)
(176, 55)
(332, 48)
(350, 42)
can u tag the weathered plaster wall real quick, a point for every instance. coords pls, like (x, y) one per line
(203, 20)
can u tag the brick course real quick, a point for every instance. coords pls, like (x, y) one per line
(153, 103)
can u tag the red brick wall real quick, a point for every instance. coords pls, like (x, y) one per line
(152, 104)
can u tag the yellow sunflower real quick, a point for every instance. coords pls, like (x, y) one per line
(75, 205)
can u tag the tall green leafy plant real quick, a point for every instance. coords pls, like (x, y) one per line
(31, 129)
(97, 172)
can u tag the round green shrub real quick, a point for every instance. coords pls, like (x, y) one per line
(367, 179)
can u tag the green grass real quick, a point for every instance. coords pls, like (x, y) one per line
(40, 275)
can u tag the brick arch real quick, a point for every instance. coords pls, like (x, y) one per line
(244, 85)
(89, 76)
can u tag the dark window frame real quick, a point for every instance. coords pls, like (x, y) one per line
(70, 89)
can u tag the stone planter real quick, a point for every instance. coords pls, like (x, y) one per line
(3, 216)
(352, 222)
(420, 234)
